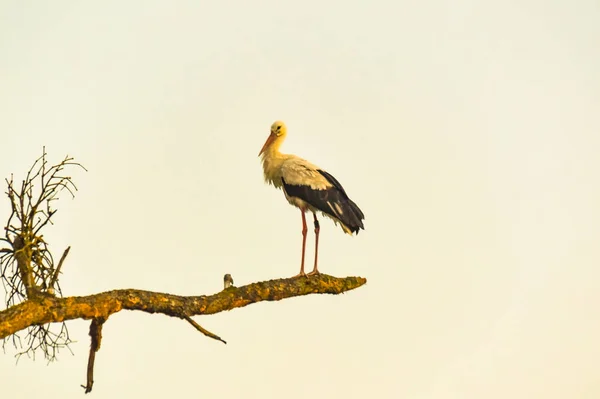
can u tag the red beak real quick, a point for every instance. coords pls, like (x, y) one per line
(270, 140)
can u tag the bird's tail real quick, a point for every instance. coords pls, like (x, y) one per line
(351, 217)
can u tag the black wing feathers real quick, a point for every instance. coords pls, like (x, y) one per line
(333, 181)
(338, 185)
(333, 201)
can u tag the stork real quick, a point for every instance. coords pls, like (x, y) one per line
(309, 188)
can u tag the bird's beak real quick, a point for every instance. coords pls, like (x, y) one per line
(269, 141)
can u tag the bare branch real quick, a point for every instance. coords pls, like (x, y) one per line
(27, 267)
(202, 329)
(50, 309)
(57, 271)
(43, 221)
(96, 336)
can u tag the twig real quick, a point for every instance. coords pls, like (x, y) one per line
(203, 330)
(57, 271)
(39, 225)
(96, 334)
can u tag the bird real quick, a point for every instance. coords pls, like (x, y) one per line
(309, 188)
(227, 281)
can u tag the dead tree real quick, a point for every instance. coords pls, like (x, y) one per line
(35, 301)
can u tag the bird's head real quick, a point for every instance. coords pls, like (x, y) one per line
(278, 133)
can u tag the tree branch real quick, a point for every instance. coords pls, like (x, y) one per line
(23, 256)
(57, 271)
(203, 330)
(96, 335)
(46, 308)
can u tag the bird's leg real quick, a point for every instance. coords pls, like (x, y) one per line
(304, 230)
(317, 229)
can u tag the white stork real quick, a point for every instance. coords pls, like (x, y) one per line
(308, 188)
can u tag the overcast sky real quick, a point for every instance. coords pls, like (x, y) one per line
(467, 131)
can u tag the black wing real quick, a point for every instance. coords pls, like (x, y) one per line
(333, 201)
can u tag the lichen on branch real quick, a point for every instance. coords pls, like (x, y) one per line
(50, 309)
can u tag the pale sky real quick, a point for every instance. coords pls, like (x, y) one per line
(467, 132)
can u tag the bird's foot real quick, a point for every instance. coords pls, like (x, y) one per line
(301, 274)
(315, 272)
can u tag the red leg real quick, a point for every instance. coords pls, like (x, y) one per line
(304, 230)
(317, 229)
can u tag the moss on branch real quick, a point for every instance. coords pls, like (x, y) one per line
(49, 309)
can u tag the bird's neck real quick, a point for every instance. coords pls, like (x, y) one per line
(276, 145)
(272, 159)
